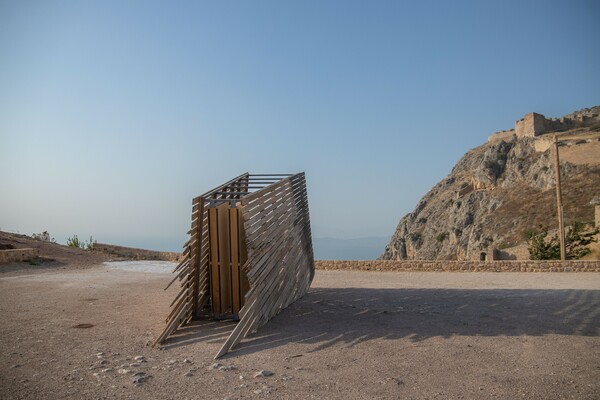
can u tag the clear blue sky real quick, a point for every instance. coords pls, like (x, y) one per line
(114, 114)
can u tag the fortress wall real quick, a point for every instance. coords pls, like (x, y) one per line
(560, 124)
(532, 124)
(461, 266)
(501, 135)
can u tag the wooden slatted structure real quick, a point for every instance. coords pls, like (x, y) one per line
(249, 255)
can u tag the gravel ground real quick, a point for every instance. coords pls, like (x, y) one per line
(75, 333)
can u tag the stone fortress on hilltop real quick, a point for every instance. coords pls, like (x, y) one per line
(534, 124)
(503, 189)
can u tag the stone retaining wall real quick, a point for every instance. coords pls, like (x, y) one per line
(136, 254)
(17, 255)
(461, 266)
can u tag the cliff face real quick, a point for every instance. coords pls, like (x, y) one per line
(495, 193)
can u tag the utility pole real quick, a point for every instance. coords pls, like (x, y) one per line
(559, 207)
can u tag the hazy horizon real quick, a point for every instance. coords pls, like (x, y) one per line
(114, 115)
(325, 248)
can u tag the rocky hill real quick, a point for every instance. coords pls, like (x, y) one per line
(503, 188)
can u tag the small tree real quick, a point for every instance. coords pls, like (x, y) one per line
(577, 240)
(542, 248)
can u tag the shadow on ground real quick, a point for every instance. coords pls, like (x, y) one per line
(327, 317)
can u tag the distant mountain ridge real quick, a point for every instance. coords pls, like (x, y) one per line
(501, 189)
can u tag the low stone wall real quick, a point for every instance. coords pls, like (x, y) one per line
(461, 266)
(17, 255)
(136, 254)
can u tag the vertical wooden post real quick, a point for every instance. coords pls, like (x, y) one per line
(215, 288)
(559, 207)
(224, 261)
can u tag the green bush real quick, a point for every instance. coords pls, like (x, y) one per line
(577, 239)
(442, 236)
(79, 244)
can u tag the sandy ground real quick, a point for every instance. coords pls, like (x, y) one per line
(355, 335)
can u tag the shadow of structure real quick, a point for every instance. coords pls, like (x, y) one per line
(325, 317)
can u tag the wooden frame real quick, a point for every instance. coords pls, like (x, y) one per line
(249, 255)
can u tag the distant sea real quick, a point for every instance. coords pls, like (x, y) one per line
(367, 248)
(326, 248)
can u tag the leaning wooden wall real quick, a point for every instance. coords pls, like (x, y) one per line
(280, 265)
(275, 253)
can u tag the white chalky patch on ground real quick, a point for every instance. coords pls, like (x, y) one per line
(154, 267)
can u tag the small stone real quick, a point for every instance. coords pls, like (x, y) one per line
(171, 362)
(99, 354)
(140, 379)
(16, 366)
(188, 374)
(257, 391)
(139, 373)
(102, 362)
(241, 378)
(140, 358)
(105, 370)
(263, 373)
(124, 371)
(214, 366)
(187, 361)
(135, 365)
(227, 368)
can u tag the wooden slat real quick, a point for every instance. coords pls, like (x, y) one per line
(224, 262)
(245, 285)
(234, 256)
(280, 262)
(214, 259)
(197, 260)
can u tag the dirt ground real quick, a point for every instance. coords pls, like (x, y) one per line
(355, 335)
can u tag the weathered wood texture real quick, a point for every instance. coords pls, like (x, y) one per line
(271, 245)
(193, 272)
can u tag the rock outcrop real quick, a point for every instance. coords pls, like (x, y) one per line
(495, 193)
